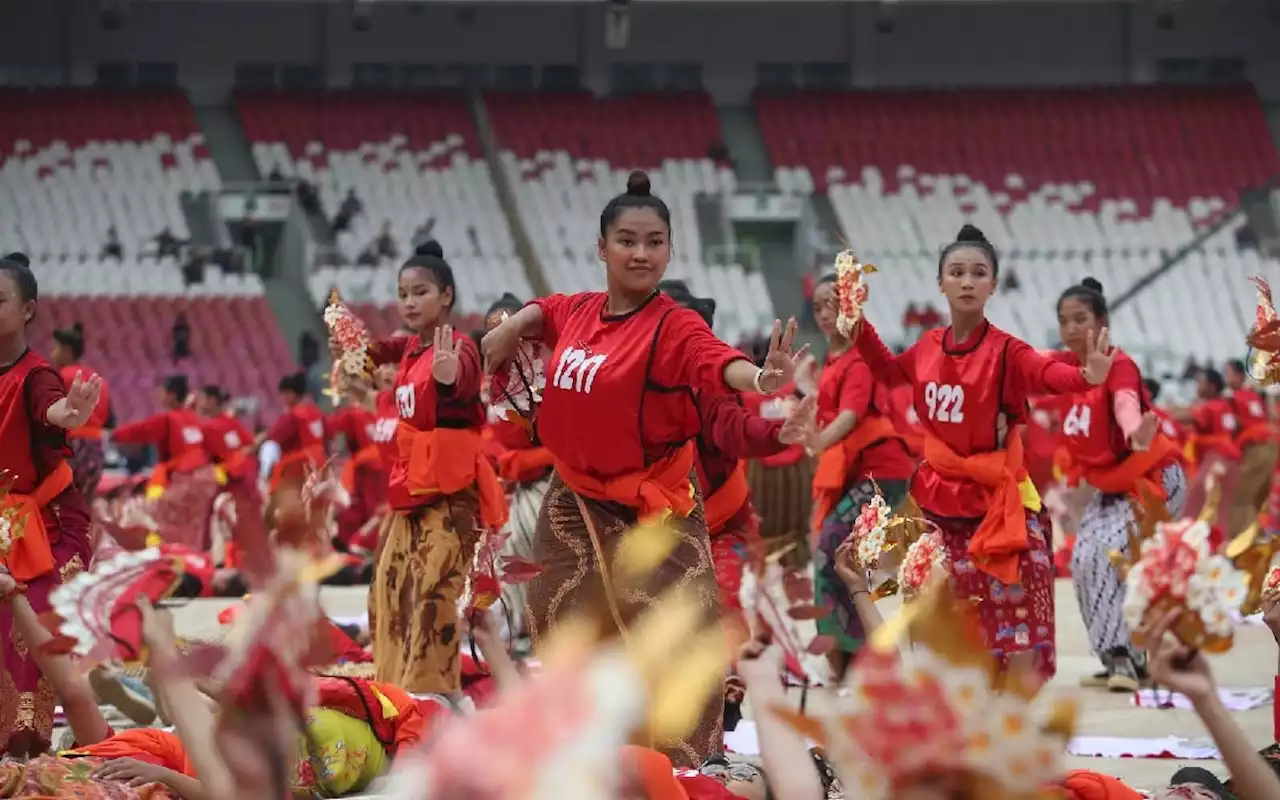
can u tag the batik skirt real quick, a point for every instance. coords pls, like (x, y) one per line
(420, 573)
(783, 498)
(570, 584)
(1014, 618)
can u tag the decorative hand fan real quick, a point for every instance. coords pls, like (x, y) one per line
(942, 713)
(353, 338)
(95, 615)
(518, 389)
(1170, 566)
(881, 542)
(12, 521)
(490, 571)
(778, 605)
(1264, 337)
(851, 291)
(925, 563)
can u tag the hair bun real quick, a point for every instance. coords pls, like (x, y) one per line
(1092, 283)
(638, 184)
(19, 258)
(971, 233)
(430, 248)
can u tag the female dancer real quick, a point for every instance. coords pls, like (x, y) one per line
(442, 491)
(36, 410)
(971, 384)
(183, 483)
(295, 441)
(618, 416)
(525, 468)
(231, 447)
(363, 476)
(86, 441)
(780, 484)
(1112, 442)
(859, 450)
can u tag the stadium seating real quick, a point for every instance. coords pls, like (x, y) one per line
(1067, 183)
(77, 161)
(414, 160)
(128, 310)
(570, 153)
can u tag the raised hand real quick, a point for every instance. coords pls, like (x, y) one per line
(1098, 357)
(82, 398)
(444, 358)
(1173, 664)
(500, 345)
(801, 426)
(1141, 438)
(780, 364)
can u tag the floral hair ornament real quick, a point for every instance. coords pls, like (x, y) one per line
(1170, 566)
(944, 711)
(881, 542)
(353, 339)
(1264, 338)
(560, 733)
(851, 291)
(95, 615)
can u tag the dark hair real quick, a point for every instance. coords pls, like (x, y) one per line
(970, 236)
(508, 302)
(637, 195)
(429, 256)
(1088, 292)
(18, 267)
(1237, 365)
(216, 393)
(830, 277)
(1214, 378)
(71, 338)
(678, 290)
(1153, 387)
(177, 385)
(478, 336)
(296, 383)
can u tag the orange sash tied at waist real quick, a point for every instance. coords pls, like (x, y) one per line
(368, 456)
(447, 461)
(29, 554)
(86, 432)
(831, 476)
(521, 466)
(1257, 433)
(294, 465)
(1135, 475)
(654, 493)
(1199, 442)
(724, 503)
(1002, 534)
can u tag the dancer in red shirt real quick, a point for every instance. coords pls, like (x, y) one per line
(183, 482)
(1212, 447)
(859, 449)
(1256, 439)
(295, 441)
(971, 384)
(232, 449)
(363, 475)
(36, 411)
(1113, 443)
(442, 492)
(524, 466)
(87, 458)
(619, 416)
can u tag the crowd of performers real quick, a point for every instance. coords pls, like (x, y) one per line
(573, 419)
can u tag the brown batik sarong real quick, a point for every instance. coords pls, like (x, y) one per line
(782, 496)
(421, 571)
(570, 582)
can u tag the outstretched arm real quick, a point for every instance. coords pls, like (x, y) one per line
(890, 369)
(1042, 375)
(735, 431)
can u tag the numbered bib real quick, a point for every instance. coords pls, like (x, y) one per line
(945, 402)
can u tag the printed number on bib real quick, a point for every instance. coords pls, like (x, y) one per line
(945, 402)
(1229, 422)
(1169, 428)
(576, 371)
(316, 426)
(1077, 422)
(192, 435)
